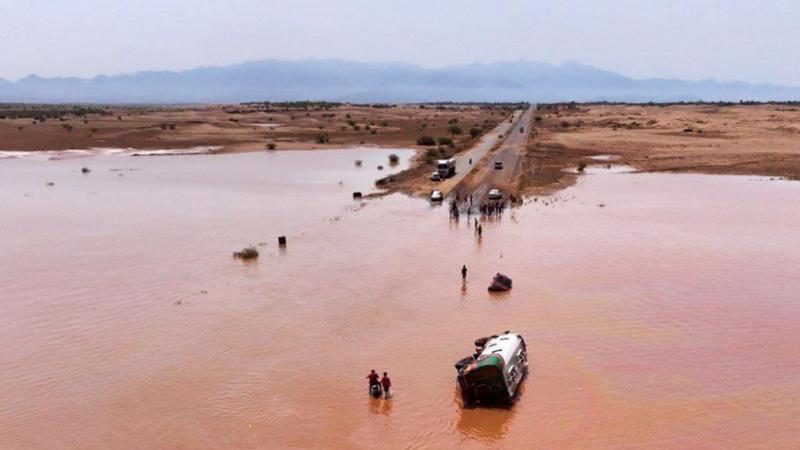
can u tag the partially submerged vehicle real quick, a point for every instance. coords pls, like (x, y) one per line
(495, 194)
(500, 283)
(494, 373)
(437, 196)
(375, 390)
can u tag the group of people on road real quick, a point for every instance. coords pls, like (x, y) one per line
(384, 382)
(492, 208)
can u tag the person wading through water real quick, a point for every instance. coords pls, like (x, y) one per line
(464, 272)
(374, 379)
(386, 383)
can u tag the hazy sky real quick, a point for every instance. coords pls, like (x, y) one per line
(748, 40)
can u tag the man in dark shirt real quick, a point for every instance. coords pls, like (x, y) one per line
(374, 378)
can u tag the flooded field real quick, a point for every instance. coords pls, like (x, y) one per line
(660, 311)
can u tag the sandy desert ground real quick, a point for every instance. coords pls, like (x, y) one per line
(245, 127)
(714, 139)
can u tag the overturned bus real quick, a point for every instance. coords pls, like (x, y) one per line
(494, 373)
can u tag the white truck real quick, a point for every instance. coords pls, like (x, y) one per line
(446, 167)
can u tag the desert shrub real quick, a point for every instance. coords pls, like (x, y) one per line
(537, 119)
(474, 132)
(374, 131)
(445, 141)
(564, 124)
(425, 140)
(271, 146)
(322, 138)
(454, 130)
(384, 124)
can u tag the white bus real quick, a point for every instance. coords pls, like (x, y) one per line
(446, 167)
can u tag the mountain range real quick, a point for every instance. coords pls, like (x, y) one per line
(360, 82)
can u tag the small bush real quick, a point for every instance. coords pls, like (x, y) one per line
(537, 119)
(474, 132)
(564, 124)
(425, 140)
(322, 138)
(445, 141)
(271, 146)
(454, 130)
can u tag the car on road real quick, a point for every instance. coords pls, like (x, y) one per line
(495, 194)
(498, 165)
(436, 177)
(437, 196)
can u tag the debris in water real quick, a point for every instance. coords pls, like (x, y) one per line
(85, 170)
(282, 241)
(358, 163)
(50, 183)
(357, 195)
(246, 253)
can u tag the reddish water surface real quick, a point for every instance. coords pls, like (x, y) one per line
(667, 318)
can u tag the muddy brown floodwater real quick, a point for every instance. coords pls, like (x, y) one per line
(665, 318)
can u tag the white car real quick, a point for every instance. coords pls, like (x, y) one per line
(437, 196)
(436, 177)
(495, 194)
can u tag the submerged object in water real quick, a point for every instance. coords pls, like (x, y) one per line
(493, 375)
(375, 390)
(500, 283)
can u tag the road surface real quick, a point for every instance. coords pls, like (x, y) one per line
(509, 155)
(476, 153)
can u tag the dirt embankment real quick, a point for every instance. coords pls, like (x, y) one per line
(246, 127)
(736, 139)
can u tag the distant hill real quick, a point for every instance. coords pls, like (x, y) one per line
(339, 80)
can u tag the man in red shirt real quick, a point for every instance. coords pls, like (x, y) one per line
(373, 378)
(386, 383)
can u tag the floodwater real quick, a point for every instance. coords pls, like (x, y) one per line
(660, 311)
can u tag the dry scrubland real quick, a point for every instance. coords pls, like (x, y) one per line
(762, 139)
(245, 127)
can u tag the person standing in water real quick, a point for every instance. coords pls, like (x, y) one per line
(386, 383)
(373, 378)
(464, 272)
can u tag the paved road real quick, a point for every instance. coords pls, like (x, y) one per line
(478, 151)
(508, 154)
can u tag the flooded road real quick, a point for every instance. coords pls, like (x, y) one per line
(660, 311)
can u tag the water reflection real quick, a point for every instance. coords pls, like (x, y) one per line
(484, 424)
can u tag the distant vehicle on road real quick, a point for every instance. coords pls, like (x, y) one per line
(437, 196)
(495, 194)
(498, 165)
(436, 177)
(446, 167)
